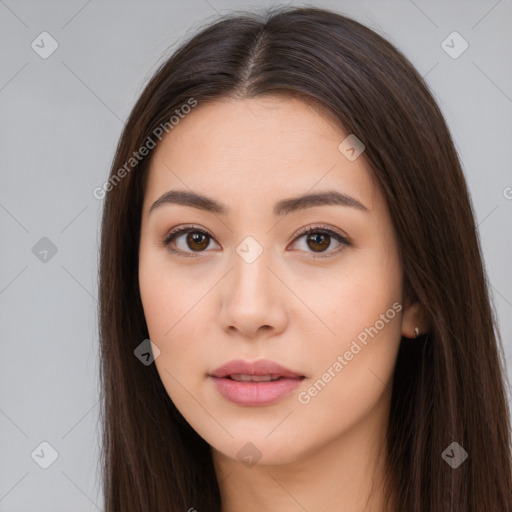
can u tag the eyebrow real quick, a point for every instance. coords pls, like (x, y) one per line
(283, 207)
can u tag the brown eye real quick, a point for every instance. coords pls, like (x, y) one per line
(195, 241)
(318, 242)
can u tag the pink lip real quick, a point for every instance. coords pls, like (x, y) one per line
(258, 367)
(255, 393)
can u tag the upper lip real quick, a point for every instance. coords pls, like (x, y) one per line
(258, 367)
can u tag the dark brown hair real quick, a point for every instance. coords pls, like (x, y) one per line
(448, 385)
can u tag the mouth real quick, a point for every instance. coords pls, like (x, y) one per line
(240, 369)
(244, 377)
(255, 383)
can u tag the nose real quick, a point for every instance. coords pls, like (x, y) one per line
(253, 299)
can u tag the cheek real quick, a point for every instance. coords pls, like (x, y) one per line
(346, 301)
(170, 296)
(175, 314)
(354, 363)
(162, 312)
(172, 319)
(158, 310)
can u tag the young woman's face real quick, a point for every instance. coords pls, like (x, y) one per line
(244, 282)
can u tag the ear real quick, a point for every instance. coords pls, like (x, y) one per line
(414, 316)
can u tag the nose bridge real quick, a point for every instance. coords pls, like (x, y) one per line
(250, 271)
(251, 299)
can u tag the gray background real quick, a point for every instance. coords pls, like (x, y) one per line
(61, 119)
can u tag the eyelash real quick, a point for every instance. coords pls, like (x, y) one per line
(174, 233)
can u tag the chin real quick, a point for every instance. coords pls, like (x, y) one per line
(261, 449)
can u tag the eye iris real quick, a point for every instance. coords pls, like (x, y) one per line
(195, 238)
(315, 236)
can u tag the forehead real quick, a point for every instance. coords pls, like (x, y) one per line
(264, 148)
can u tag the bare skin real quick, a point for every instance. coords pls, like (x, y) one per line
(302, 302)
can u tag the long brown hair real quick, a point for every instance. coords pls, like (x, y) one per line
(448, 384)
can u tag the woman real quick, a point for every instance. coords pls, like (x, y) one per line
(294, 312)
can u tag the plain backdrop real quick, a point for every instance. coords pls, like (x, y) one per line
(61, 117)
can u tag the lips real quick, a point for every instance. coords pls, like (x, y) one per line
(255, 383)
(260, 368)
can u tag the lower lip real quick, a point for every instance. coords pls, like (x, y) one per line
(255, 393)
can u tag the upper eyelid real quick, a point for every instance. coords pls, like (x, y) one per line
(180, 230)
(324, 228)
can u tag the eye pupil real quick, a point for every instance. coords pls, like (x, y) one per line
(315, 236)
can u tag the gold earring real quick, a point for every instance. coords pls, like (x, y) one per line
(417, 331)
